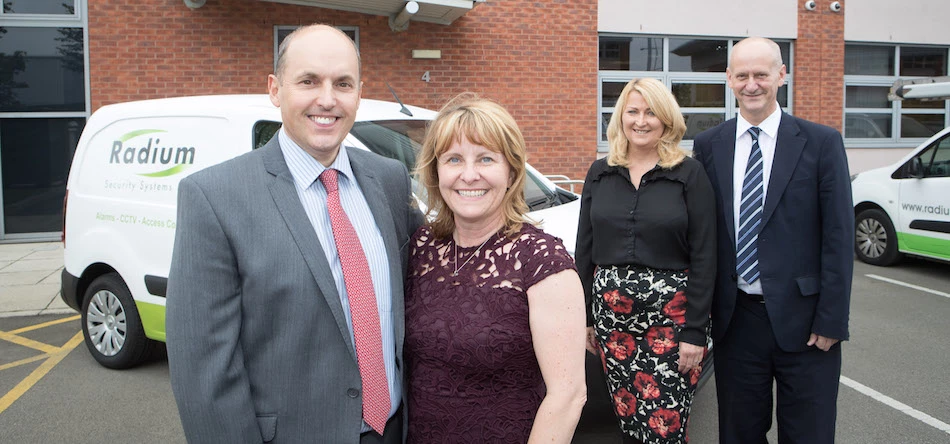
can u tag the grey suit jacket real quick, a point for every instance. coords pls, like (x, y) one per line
(258, 348)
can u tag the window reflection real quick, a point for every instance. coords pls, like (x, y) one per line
(698, 55)
(925, 62)
(41, 69)
(35, 155)
(699, 95)
(867, 126)
(921, 125)
(631, 54)
(699, 122)
(58, 7)
(869, 60)
(866, 97)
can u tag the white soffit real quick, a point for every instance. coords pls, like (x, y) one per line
(443, 12)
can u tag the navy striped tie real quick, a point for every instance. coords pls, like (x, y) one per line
(750, 214)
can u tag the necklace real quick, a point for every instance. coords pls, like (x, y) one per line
(459, 267)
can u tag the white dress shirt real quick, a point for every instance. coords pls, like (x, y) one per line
(767, 137)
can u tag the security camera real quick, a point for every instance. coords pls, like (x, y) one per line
(810, 5)
(835, 6)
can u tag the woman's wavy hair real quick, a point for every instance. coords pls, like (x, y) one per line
(664, 106)
(482, 122)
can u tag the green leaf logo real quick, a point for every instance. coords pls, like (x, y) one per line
(125, 137)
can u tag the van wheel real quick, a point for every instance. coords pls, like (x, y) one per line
(111, 324)
(875, 240)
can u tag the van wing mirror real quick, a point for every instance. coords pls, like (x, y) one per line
(915, 168)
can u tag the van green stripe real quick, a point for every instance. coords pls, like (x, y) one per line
(169, 172)
(137, 133)
(153, 319)
(938, 247)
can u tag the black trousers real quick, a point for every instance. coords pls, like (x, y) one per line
(392, 434)
(748, 360)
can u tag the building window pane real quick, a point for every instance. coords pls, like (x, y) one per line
(610, 93)
(697, 123)
(58, 7)
(923, 104)
(869, 60)
(921, 125)
(35, 154)
(867, 126)
(924, 62)
(866, 97)
(604, 121)
(697, 95)
(698, 55)
(41, 69)
(631, 54)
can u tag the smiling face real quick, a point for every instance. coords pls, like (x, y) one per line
(755, 74)
(473, 181)
(641, 126)
(317, 88)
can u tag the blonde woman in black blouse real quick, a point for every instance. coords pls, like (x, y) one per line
(646, 257)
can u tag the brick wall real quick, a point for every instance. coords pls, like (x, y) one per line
(819, 64)
(539, 59)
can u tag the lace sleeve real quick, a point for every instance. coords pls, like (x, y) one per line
(542, 255)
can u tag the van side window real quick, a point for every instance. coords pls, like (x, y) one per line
(264, 130)
(939, 165)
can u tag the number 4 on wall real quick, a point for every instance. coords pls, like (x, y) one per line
(425, 76)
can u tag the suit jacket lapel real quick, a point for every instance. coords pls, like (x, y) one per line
(724, 154)
(788, 149)
(284, 193)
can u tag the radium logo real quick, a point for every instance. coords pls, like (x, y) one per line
(151, 153)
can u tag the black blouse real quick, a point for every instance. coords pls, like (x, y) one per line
(668, 223)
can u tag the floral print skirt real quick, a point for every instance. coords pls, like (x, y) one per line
(637, 313)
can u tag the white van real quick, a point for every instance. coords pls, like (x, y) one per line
(121, 196)
(904, 208)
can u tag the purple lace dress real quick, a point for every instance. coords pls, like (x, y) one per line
(473, 375)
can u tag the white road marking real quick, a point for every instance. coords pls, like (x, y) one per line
(897, 405)
(905, 284)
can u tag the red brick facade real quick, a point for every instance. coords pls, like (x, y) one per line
(819, 64)
(539, 59)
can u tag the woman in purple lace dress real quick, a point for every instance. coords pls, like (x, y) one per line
(494, 307)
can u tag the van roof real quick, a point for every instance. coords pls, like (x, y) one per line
(243, 104)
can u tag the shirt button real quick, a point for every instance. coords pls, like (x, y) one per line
(353, 393)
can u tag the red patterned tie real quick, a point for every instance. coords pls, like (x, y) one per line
(359, 288)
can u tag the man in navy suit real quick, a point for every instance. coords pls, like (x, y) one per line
(785, 242)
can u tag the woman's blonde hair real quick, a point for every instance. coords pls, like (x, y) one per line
(482, 122)
(664, 107)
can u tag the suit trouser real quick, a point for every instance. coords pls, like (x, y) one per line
(747, 359)
(392, 434)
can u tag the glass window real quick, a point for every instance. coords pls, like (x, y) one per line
(35, 154)
(610, 93)
(692, 95)
(631, 54)
(921, 125)
(698, 55)
(869, 60)
(699, 122)
(41, 69)
(867, 126)
(924, 62)
(940, 164)
(866, 97)
(264, 131)
(58, 7)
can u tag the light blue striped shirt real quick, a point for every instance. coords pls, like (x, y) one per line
(305, 171)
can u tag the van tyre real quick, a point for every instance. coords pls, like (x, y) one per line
(875, 240)
(111, 324)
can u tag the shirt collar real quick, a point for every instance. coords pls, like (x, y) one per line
(769, 126)
(303, 167)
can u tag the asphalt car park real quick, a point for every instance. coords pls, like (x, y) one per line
(893, 386)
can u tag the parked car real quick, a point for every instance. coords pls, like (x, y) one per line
(120, 206)
(904, 208)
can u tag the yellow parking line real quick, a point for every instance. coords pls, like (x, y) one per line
(23, 361)
(43, 325)
(40, 372)
(36, 345)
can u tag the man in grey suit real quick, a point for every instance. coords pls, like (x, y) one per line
(264, 321)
